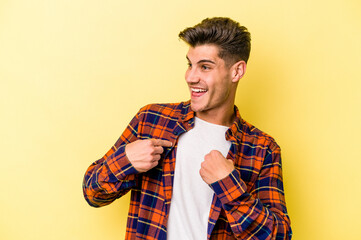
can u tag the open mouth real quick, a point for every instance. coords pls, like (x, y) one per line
(197, 92)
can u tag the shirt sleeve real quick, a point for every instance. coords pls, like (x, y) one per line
(261, 213)
(113, 175)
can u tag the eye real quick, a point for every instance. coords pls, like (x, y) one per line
(189, 65)
(205, 67)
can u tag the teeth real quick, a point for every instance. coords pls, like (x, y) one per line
(198, 90)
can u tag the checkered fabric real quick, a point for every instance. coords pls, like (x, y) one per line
(248, 204)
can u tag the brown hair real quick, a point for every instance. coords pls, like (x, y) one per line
(233, 40)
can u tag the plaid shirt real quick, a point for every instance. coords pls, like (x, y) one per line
(248, 204)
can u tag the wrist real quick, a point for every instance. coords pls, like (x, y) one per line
(230, 187)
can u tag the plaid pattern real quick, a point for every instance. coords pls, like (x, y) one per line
(247, 204)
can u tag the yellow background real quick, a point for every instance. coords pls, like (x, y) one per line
(73, 73)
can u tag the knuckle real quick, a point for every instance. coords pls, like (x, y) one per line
(149, 165)
(151, 150)
(154, 164)
(148, 142)
(207, 157)
(214, 152)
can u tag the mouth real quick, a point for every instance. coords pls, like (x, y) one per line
(197, 92)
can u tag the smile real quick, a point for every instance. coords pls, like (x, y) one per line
(198, 90)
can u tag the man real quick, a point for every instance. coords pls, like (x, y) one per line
(195, 169)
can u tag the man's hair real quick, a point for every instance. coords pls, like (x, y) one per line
(232, 39)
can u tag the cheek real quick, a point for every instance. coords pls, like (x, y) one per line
(222, 90)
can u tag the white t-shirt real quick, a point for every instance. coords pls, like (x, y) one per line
(192, 197)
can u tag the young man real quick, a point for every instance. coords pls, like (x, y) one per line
(196, 169)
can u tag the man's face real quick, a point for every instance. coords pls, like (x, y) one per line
(209, 81)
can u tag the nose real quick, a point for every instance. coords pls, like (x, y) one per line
(191, 76)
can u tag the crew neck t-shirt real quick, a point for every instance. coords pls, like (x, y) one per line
(192, 197)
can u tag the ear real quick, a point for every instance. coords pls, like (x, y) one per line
(239, 69)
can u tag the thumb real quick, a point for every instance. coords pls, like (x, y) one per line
(229, 161)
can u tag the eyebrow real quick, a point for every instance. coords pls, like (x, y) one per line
(202, 61)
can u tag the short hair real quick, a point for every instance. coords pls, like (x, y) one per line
(233, 40)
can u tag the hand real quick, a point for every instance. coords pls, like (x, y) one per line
(215, 167)
(145, 154)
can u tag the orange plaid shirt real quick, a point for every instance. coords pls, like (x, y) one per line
(248, 204)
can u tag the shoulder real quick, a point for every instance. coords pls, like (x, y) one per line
(256, 137)
(158, 120)
(161, 106)
(164, 110)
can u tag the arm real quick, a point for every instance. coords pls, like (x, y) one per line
(262, 213)
(118, 171)
(113, 175)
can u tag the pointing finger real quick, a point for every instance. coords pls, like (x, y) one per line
(163, 143)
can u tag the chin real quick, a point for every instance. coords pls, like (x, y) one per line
(196, 108)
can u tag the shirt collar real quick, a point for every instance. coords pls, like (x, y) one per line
(186, 112)
(235, 130)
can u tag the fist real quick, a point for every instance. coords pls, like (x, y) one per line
(215, 167)
(145, 154)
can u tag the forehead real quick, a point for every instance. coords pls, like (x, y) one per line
(204, 52)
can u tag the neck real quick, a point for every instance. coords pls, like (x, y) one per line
(224, 118)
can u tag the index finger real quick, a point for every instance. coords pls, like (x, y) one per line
(163, 143)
